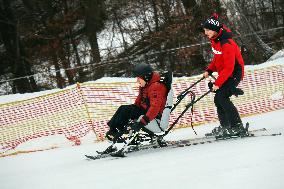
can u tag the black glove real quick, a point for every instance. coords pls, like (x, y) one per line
(210, 85)
(136, 126)
(209, 72)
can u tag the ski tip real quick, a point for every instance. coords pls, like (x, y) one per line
(99, 152)
(89, 157)
(92, 157)
(276, 134)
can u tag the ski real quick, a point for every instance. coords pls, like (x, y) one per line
(100, 156)
(178, 143)
(211, 139)
(112, 150)
(109, 150)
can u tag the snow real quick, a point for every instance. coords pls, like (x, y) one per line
(274, 62)
(277, 55)
(245, 163)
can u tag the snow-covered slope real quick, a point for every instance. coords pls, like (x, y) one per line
(245, 163)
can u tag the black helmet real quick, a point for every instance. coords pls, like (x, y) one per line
(145, 71)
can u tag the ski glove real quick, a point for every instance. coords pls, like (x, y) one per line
(136, 126)
(210, 86)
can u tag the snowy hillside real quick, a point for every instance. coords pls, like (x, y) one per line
(244, 163)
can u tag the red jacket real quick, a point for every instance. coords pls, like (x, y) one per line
(226, 55)
(152, 98)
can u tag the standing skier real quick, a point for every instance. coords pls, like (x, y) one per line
(229, 64)
(150, 103)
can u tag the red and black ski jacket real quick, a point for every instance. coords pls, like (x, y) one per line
(227, 60)
(152, 98)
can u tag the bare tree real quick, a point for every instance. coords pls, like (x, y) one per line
(94, 21)
(12, 39)
(237, 15)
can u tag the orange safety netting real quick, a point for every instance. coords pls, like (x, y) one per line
(75, 112)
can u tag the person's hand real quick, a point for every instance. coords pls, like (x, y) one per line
(215, 88)
(206, 74)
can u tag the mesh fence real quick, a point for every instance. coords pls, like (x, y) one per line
(86, 108)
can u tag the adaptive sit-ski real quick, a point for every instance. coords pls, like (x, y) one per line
(157, 128)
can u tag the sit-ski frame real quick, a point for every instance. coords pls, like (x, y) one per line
(180, 97)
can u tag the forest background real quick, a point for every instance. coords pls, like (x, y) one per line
(46, 44)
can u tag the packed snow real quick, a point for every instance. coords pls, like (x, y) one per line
(255, 162)
(246, 163)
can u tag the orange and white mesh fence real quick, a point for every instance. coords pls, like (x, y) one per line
(85, 108)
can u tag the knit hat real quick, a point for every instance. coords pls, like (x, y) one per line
(212, 23)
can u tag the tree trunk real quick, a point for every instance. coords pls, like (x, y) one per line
(245, 27)
(93, 23)
(118, 23)
(274, 13)
(11, 39)
(188, 4)
(156, 16)
(59, 79)
(81, 75)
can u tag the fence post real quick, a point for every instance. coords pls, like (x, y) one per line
(78, 86)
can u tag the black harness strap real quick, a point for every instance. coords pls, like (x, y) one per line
(191, 124)
(158, 124)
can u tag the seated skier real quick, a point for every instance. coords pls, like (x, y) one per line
(148, 105)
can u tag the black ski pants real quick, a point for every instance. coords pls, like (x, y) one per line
(227, 113)
(122, 115)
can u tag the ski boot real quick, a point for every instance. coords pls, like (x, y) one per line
(158, 141)
(222, 133)
(161, 142)
(114, 137)
(239, 130)
(109, 135)
(218, 132)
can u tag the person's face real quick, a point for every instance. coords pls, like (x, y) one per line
(210, 33)
(141, 82)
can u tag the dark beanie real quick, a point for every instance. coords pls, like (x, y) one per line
(212, 23)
